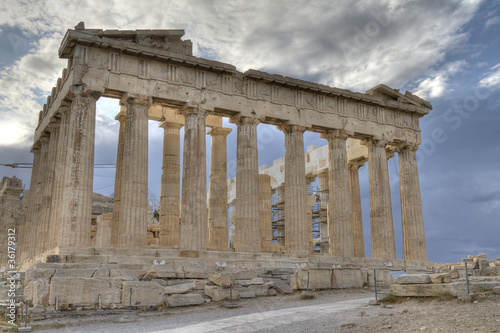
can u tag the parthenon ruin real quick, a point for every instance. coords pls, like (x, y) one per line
(155, 76)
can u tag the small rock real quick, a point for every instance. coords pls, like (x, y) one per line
(348, 325)
(405, 311)
(362, 313)
(475, 302)
(383, 305)
(387, 327)
(423, 328)
(389, 306)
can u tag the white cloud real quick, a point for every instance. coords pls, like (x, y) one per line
(492, 21)
(345, 44)
(492, 78)
(435, 86)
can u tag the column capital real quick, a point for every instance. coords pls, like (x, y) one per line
(121, 117)
(129, 99)
(240, 120)
(219, 131)
(355, 165)
(379, 143)
(171, 125)
(411, 146)
(54, 123)
(289, 128)
(84, 91)
(336, 134)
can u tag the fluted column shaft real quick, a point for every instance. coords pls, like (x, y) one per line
(39, 193)
(357, 218)
(339, 206)
(324, 189)
(115, 222)
(232, 224)
(381, 224)
(29, 230)
(247, 233)
(48, 225)
(296, 221)
(194, 217)
(76, 213)
(132, 231)
(266, 223)
(217, 190)
(60, 165)
(170, 185)
(411, 205)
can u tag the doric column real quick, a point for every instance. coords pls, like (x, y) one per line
(132, 230)
(339, 206)
(411, 205)
(217, 190)
(324, 188)
(296, 222)
(266, 223)
(194, 219)
(170, 185)
(60, 165)
(48, 225)
(247, 233)
(357, 218)
(280, 214)
(39, 193)
(381, 224)
(311, 199)
(115, 222)
(78, 175)
(29, 230)
(232, 223)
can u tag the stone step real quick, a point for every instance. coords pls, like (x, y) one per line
(281, 286)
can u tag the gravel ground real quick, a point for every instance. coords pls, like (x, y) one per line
(414, 315)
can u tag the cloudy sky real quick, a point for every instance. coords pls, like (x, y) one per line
(444, 51)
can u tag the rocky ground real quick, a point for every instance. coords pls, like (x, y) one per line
(403, 315)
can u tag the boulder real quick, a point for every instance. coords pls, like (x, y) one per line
(454, 274)
(222, 279)
(144, 293)
(180, 288)
(185, 300)
(413, 279)
(496, 290)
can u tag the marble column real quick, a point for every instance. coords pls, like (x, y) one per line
(60, 165)
(381, 223)
(339, 207)
(194, 217)
(134, 206)
(115, 222)
(76, 214)
(411, 205)
(29, 230)
(280, 215)
(48, 225)
(39, 193)
(217, 190)
(311, 199)
(266, 223)
(357, 218)
(170, 185)
(232, 223)
(296, 221)
(324, 188)
(247, 233)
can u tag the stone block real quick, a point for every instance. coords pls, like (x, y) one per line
(257, 281)
(318, 279)
(492, 271)
(282, 286)
(101, 273)
(259, 289)
(413, 279)
(347, 278)
(161, 272)
(245, 274)
(483, 263)
(37, 292)
(217, 293)
(144, 293)
(190, 254)
(243, 283)
(200, 285)
(422, 290)
(197, 270)
(247, 294)
(484, 286)
(222, 279)
(440, 278)
(66, 273)
(85, 291)
(454, 274)
(185, 300)
(180, 288)
(127, 274)
(42, 274)
(496, 290)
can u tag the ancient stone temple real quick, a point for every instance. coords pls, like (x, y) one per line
(155, 76)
